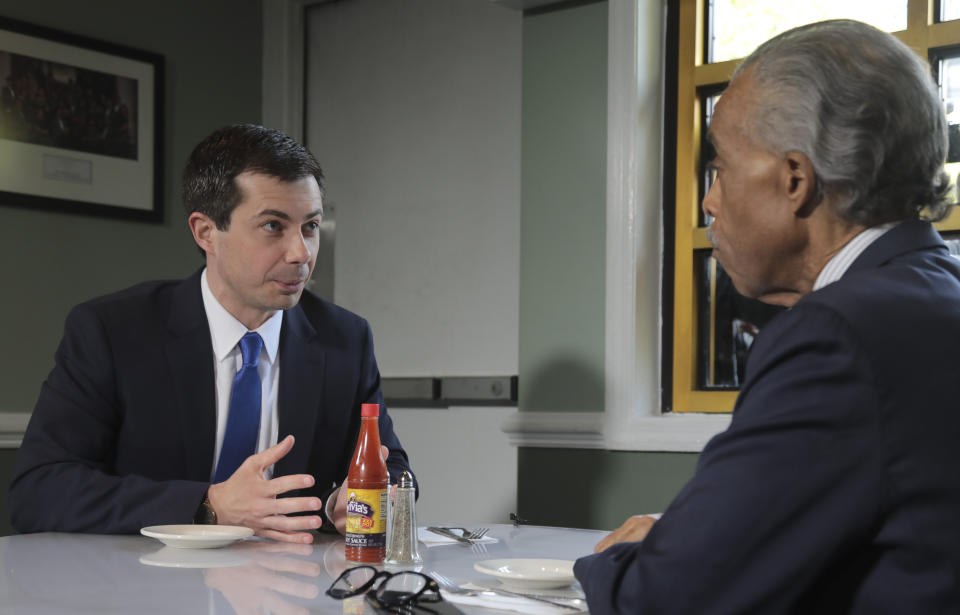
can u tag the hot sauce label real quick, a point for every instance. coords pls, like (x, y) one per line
(366, 518)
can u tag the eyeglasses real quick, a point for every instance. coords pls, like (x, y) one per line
(395, 589)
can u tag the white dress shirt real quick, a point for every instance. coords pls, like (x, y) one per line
(841, 261)
(225, 333)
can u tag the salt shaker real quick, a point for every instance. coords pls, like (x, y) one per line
(402, 543)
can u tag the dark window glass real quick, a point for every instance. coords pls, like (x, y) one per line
(946, 66)
(708, 102)
(727, 324)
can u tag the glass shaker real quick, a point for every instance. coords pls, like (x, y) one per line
(402, 542)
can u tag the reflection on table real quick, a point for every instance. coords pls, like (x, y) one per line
(77, 573)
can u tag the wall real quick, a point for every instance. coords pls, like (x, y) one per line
(51, 261)
(562, 227)
(413, 109)
(562, 279)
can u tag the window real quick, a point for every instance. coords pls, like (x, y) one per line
(713, 326)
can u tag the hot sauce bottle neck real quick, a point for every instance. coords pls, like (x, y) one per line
(367, 462)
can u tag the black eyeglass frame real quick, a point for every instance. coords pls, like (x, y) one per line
(403, 599)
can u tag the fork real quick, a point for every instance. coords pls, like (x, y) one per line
(478, 548)
(447, 585)
(476, 534)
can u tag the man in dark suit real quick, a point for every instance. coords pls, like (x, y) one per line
(136, 424)
(836, 488)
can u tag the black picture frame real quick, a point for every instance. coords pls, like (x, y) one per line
(81, 124)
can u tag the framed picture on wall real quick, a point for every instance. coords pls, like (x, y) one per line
(80, 124)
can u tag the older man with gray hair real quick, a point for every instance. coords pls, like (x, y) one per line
(836, 488)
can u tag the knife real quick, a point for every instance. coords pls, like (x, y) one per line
(445, 532)
(537, 597)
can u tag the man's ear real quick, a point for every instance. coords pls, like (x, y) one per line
(800, 183)
(203, 229)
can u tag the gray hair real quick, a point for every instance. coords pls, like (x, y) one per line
(863, 108)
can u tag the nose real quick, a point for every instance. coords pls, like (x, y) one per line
(711, 201)
(298, 249)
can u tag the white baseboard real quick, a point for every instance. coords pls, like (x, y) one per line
(555, 429)
(12, 427)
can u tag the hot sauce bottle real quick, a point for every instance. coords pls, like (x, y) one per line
(367, 488)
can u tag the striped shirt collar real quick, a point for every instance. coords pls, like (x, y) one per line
(841, 261)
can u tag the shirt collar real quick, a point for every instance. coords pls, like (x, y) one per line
(226, 331)
(841, 261)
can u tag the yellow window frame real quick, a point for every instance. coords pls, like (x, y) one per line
(922, 34)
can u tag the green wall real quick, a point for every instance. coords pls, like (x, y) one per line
(562, 267)
(51, 261)
(562, 220)
(597, 489)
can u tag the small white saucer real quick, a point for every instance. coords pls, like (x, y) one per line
(529, 573)
(197, 536)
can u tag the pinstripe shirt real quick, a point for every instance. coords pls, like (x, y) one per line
(841, 261)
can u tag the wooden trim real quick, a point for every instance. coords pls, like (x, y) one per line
(690, 42)
(713, 74)
(943, 34)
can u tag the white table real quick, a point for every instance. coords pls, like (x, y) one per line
(78, 573)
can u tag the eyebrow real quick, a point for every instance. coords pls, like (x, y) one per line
(316, 213)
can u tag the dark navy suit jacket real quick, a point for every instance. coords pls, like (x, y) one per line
(836, 488)
(123, 433)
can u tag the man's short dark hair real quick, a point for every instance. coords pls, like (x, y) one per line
(208, 179)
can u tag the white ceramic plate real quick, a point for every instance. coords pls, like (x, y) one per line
(197, 536)
(529, 573)
(170, 557)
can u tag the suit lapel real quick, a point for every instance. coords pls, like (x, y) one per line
(190, 358)
(300, 389)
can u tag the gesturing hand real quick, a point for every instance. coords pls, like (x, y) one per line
(247, 498)
(633, 529)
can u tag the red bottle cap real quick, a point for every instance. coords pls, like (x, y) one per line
(369, 410)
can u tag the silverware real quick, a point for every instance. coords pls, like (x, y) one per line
(453, 588)
(442, 531)
(538, 597)
(476, 534)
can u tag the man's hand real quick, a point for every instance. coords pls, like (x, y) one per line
(264, 584)
(247, 498)
(340, 508)
(633, 529)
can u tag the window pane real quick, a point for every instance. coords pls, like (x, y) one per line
(708, 101)
(727, 323)
(949, 10)
(948, 75)
(737, 27)
(952, 239)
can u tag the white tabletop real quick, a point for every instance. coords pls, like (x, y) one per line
(78, 573)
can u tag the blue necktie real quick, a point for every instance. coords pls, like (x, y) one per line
(243, 419)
